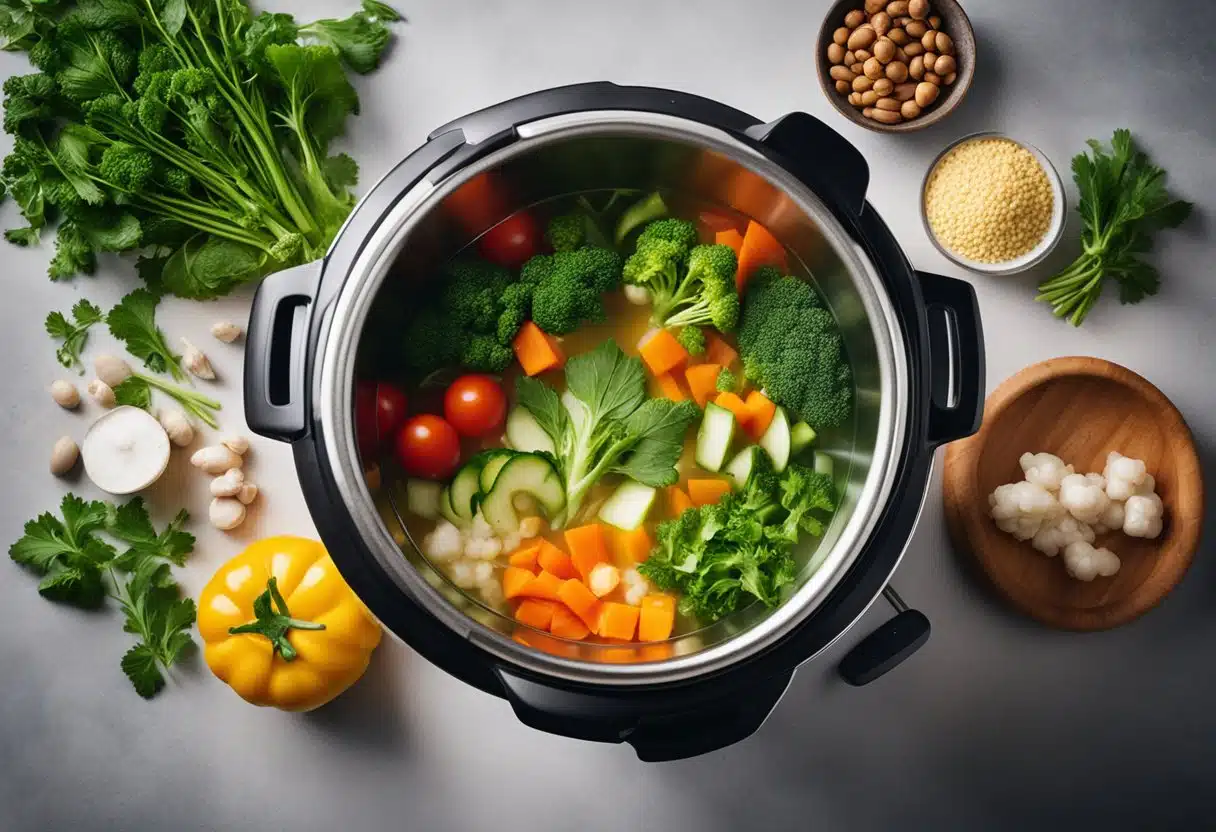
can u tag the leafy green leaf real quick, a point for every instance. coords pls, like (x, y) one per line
(28, 236)
(133, 321)
(658, 428)
(67, 552)
(209, 267)
(320, 96)
(360, 39)
(73, 253)
(79, 585)
(341, 171)
(116, 231)
(131, 524)
(134, 392)
(173, 15)
(543, 403)
(611, 384)
(140, 665)
(73, 334)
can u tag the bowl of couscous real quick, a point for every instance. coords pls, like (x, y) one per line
(993, 204)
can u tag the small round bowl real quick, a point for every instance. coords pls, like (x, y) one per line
(1055, 230)
(954, 23)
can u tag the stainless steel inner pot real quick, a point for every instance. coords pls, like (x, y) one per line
(605, 150)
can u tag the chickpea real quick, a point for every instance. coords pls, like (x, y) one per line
(840, 73)
(930, 61)
(929, 41)
(909, 110)
(861, 83)
(935, 22)
(898, 8)
(926, 93)
(884, 50)
(843, 87)
(951, 78)
(854, 18)
(905, 92)
(916, 29)
(861, 38)
(918, 9)
(914, 49)
(862, 55)
(945, 65)
(875, 6)
(883, 86)
(933, 78)
(881, 23)
(898, 37)
(888, 104)
(885, 116)
(840, 36)
(874, 68)
(897, 71)
(944, 43)
(836, 53)
(916, 68)
(868, 98)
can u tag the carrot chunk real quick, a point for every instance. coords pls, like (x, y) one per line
(588, 547)
(535, 350)
(552, 559)
(703, 381)
(535, 613)
(544, 585)
(677, 501)
(657, 618)
(761, 411)
(515, 579)
(730, 237)
(546, 644)
(566, 624)
(670, 388)
(661, 351)
(705, 492)
(633, 547)
(736, 406)
(618, 621)
(760, 248)
(525, 557)
(717, 351)
(575, 595)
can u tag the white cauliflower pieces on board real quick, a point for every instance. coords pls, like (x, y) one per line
(1058, 510)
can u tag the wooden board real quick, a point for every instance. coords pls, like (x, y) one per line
(1079, 409)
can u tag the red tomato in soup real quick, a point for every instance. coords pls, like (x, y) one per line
(380, 409)
(428, 447)
(512, 242)
(475, 405)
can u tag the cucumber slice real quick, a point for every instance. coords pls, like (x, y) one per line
(525, 433)
(445, 510)
(740, 467)
(465, 486)
(524, 474)
(422, 497)
(490, 470)
(801, 435)
(776, 440)
(824, 464)
(714, 438)
(628, 506)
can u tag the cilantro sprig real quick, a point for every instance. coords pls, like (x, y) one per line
(73, 332)
(1123, 203)
(133, 321)
(80, 568)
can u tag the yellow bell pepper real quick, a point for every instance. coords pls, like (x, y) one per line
(282, 628)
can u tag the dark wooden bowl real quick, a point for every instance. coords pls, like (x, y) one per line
(954, 23)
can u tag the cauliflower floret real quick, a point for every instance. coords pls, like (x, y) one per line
(482, 548)
(491, 591)
(1149, 486)
(1111, 519)
(603, 578)
(1123, 475)
(483, 572)
(1143, 516)
(1044, 469)
(480, 528)
(1020, 508)
(636, 587)
(462, 573)
(443, 543)
(1085, 563)
(1083, 497)
(1056, 534)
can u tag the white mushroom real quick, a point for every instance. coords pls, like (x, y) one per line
(236, 444)
(175, 423)
(216, 459)
(195, 360)
(228, 484)
(225, 331)
(125, 451)
(247, 494)
(64, 455)
(102, 393)
(226, 513)
(111, 369)
(65, 394)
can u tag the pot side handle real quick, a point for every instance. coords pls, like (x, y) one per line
(956, 359)
(656, 735)
(820, 157)
(275, 347)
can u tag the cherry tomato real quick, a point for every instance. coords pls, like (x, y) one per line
(475, 405)
(428, 447)
(512, 242)
(380, 409)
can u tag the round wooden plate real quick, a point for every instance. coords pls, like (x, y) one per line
(1079, 409)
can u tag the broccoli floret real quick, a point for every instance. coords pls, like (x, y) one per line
(692, 338)
(566, 232)
(432, 340)
(655, 264)
(568, 292)
(727, 381)
(536, 270)
(516, 308)
(127, 167)
(485, 354)
(681, 232)
(791, 347)
(603, 266)
(804, 490)
(473, 292)
(707, 294)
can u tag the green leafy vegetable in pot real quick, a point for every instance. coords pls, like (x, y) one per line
(1123, 202)
(197, 133)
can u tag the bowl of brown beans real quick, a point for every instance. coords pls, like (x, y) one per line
(896, 66)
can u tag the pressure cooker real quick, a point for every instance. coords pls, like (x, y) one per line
(913, 339)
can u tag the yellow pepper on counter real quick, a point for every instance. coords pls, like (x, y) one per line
(282, 628)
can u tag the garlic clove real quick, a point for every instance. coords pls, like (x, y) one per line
(248, 493)
(196, 361)
(216, 459)
(236, 444)
(226, 513)
(225, 331)
(65, 394)
(64, 455)
(102, 393)
(175, 423)
(228, 484)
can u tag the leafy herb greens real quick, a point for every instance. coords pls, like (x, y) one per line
(133, 321)
(1123, 202)
(605, 424)
(80, 568)
(191, 130)
(74, 333)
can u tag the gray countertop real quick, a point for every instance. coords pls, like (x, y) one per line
(997, 723)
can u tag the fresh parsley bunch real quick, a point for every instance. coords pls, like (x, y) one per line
(81, 568)
(74, 333)
(188, 129)
(1123, 202)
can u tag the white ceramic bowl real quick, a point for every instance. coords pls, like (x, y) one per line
(1055, 230)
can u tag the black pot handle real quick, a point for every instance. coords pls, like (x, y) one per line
(956, 358)
(820, 157)
(656, 734)
(885, 648)
(275, 347)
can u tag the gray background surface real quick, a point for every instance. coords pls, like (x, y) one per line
(997, 724)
